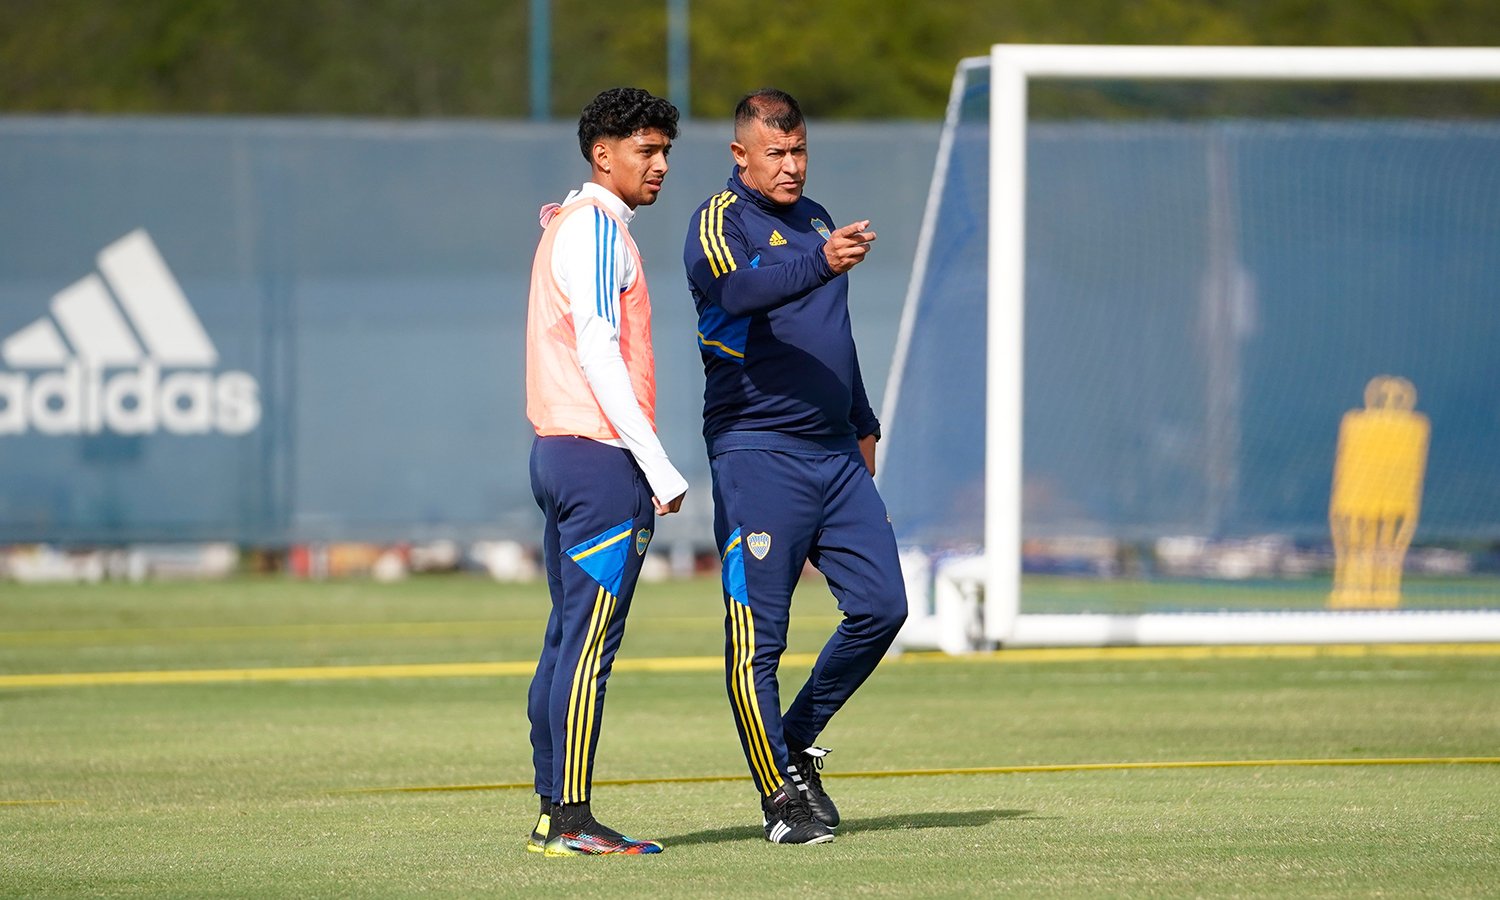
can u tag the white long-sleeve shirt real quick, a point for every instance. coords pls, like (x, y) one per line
(593, 268)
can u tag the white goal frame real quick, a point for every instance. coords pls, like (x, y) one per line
(998, 574)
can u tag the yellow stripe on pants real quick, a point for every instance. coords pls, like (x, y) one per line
(742, 679)
(575, 759)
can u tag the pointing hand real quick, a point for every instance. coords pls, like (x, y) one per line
(847, 247)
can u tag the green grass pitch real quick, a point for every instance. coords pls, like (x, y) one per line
(240, 789)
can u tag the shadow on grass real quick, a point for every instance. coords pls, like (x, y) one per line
(965, 819)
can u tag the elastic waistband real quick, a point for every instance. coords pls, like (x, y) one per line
(578, 440)
(786, 443)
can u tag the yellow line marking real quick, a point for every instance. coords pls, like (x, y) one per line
(252, 632)
(301, 673)
(716, 663)
(32, 802)
(981, 770)
(330, 631)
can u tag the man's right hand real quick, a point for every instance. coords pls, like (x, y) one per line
(666, 509)
(846, 247)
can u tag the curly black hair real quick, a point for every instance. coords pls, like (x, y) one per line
(621, 112)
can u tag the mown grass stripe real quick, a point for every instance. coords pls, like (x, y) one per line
(258, 632)
(327, 631)
(716, 664)
(299, 673)
(975, 770)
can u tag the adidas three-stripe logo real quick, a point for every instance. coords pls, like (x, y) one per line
(105, 361)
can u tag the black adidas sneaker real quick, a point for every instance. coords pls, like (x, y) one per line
(803, 769)
(789, 821)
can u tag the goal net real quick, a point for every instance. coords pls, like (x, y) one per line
(1204, 348)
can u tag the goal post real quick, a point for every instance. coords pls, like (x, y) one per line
(994, 583)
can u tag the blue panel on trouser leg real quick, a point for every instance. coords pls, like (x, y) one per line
(604, 556)
(734, 570)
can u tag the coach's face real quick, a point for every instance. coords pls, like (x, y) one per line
(634, 167)
(771, 161)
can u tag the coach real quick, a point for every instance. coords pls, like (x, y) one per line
(791, 444)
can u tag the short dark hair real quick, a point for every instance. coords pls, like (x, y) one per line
(771, 107)
(621, 112)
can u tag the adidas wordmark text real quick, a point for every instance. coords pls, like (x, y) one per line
(136, 359)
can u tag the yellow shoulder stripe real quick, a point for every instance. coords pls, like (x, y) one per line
(711, 234)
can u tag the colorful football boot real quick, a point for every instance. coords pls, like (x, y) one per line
(593, 839)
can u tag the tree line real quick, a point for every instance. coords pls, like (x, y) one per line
(880, 59)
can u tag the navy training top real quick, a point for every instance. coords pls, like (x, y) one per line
(779, 363)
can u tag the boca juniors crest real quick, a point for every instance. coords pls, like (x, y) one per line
(759, 544)
(642, 541)
(822, 228)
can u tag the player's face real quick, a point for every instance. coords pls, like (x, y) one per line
(771, 161)
(634, 167)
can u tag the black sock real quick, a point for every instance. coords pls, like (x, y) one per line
(570, 817)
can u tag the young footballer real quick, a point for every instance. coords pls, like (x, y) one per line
(598, 471)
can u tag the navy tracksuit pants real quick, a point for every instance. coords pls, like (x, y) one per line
(774, 511)
(599, 520)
